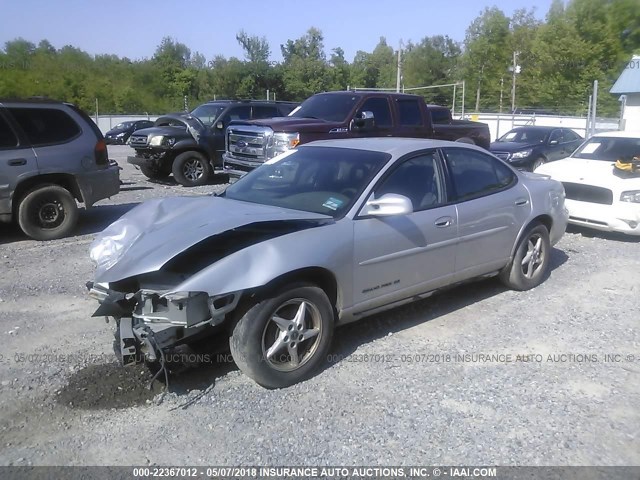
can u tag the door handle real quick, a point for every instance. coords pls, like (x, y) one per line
(444, 222)
(16, 162)
(521, 202)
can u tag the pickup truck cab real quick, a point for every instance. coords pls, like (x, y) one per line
(344, 114)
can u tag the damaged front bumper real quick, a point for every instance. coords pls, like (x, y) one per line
(150, 321)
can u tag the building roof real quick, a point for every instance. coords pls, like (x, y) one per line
(629, 80)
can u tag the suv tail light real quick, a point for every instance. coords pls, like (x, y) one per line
(100, 152)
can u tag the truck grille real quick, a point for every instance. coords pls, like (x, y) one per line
(138, 140)
(249, 143)
(588, 193)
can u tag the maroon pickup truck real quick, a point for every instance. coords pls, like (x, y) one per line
(344, 115)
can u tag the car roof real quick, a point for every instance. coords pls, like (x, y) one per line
(392, 145)
(535, 127)
(617, 133)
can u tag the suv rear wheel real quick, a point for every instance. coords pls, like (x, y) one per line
(191, 169)
(47, 212)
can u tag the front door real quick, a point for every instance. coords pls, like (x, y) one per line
(400, 256)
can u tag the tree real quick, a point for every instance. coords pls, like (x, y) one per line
(486, 56)
(305, 70)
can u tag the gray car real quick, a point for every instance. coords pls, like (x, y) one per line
(317, 237)
(51, 155)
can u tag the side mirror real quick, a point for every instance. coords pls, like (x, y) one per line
(220, 125)
(388, 205)
(364, 121)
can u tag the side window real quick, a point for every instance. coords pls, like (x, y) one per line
(417, 179)
(380, 108)
(45, 126)
(409, 112)
(265, 112)
(556, 135)
(439, 115)
(570, 136)
(237, 113)
(8, 138)
(475, 174)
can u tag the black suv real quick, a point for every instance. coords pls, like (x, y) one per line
(51, 155)
(190, 145)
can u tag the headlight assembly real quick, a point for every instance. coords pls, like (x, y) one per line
(632, 196)
(285, 141)
(522, 154)
(156, 141)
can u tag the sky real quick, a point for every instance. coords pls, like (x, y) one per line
(134, 29)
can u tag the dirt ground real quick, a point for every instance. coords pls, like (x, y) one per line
(477, 375)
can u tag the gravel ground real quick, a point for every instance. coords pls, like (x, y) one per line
(474, 375)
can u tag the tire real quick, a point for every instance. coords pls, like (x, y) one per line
(525, 271)
(154, 173)
(255, 336)
(191, 169)
(47, 212)
(537, 163)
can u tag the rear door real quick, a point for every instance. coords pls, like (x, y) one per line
(400, 256)
(17, 161)
(491, 206)
(57, 138)
(411, 122)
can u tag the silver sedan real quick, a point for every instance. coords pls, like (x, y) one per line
(320, 236)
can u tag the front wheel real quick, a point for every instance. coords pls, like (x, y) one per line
(283, 339)
(154, 172)
(48, 212)
(537, 163)
(531, 260)
(191, 169)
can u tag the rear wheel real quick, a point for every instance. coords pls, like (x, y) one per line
(48, 212)
(191, 169)
(282, 340)
(531, 260)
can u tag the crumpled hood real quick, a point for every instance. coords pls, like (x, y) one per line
(150, 235)
(511, 146)
(170, 131)
(589, 172)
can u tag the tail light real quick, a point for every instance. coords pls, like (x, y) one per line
(100, 152)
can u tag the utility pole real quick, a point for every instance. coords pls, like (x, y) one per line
(501, 89)
(594, 108)
(399, 73)
(514, 69)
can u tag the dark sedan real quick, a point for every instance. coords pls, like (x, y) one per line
(526, 148)
(119, 134)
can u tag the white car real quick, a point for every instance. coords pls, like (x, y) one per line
(596, 196)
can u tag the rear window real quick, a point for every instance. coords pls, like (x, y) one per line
(45, 126)
(439, 115)
(8, 139)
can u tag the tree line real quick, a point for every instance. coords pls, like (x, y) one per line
(556, 61)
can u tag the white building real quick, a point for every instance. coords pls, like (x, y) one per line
(628, 87)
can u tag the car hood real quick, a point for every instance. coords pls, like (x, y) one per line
(163, 130)
(511, 146)
(294, 124)
(589, 172)
(150, 235)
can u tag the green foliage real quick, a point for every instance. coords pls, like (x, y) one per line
(559, 58)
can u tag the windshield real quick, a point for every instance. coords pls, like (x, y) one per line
(332, 107)
(524, 135)
(208, 113)
(313, 179)
(609, 149)
(123, 125)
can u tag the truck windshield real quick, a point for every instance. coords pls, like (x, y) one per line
(323, 180)
(208, 113)
(333, 107)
